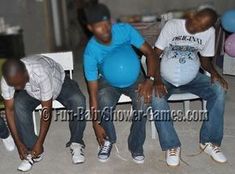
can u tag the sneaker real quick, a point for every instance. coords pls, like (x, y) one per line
(27, 164)
(104, 151)
(173, 157)
(77, 151)
(214, 151)
(9, 143)
(139, 159)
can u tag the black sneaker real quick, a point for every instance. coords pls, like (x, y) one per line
(138, 158)
(104, 151)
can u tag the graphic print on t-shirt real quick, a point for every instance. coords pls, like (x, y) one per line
(182, 53)
(191, 39)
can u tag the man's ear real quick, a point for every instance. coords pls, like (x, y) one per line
(89, 28)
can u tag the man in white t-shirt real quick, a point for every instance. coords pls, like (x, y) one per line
(184, 45)
(29, 82)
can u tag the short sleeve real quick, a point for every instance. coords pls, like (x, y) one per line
(164, 37)
(7, 91)
(209, 48)
(90, 66)
(136, 38)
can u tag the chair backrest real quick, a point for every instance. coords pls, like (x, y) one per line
(65, 59)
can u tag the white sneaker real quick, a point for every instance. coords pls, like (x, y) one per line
(77, 151)
(105, 151)
(9, 143)
(27, 164)
(173, 157)
(214, 151)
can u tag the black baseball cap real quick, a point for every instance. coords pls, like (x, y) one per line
(97, 13)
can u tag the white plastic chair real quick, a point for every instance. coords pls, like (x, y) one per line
(65, 59)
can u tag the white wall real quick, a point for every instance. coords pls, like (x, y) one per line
(30, 15)
(130, 7)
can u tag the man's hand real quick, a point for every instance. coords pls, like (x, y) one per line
(145, 89)
(216, 77)
(37, 150)
(100, 134)
(22, 150)
(160, 89)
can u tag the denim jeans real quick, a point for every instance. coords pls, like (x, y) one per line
(70, 96)
(212, 127)
(4, 133)
(108, 97)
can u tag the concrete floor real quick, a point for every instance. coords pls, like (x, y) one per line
(58, 159)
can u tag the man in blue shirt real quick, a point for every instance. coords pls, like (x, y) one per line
(108, 37)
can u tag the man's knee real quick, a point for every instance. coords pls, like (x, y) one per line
(218, 90)
(78, 101)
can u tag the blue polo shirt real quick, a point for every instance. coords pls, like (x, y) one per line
(122, 35)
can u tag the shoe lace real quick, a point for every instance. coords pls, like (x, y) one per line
(105, 148)
(77, 151)
(29, 158)
(172, 152)
(216, 149)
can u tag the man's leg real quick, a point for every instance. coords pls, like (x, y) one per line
(137, 134)
(168, 137)
(74, 101)
(4, 133)
(214, 94)
(162, 117)
(24, 105)
(108, 97)
(211, 133)
(7, 139)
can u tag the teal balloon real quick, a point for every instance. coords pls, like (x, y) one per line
(228, 21)
(121, 67)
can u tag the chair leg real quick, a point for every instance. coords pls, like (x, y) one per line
(35, 123)
(152, 125)
(186, 106)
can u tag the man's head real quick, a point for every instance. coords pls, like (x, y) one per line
(201, 21)
(98, 22)
(15, 73)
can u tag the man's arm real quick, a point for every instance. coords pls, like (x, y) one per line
(46, 116)
(9, 109)
(160, 89)
(93, 91)
(147, 50)
(145, 89)
(206, 63)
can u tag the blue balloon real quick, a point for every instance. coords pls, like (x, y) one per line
(121, 67)
(228, 21)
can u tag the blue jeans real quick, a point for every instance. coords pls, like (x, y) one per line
(108, 97)
(212, 127)
(70, 96)
(4, 133)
